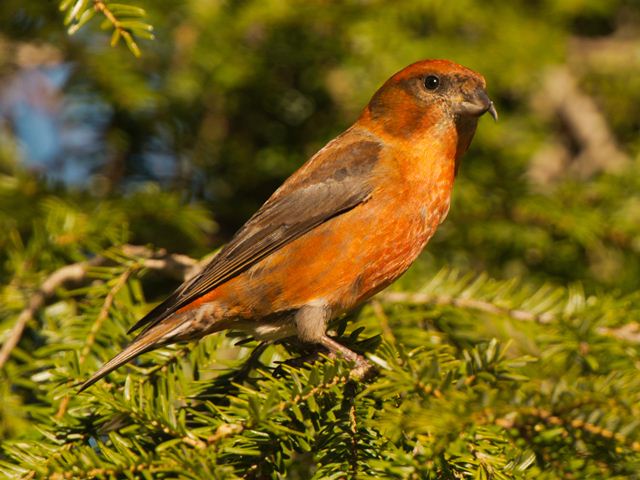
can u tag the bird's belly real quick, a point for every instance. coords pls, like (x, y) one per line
(342, 262)
(392, 250)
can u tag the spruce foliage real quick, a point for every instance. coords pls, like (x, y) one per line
(478, 378)
(509, 351)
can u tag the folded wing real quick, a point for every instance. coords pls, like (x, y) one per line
(333, 182)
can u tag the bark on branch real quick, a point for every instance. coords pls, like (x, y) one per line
(585, 144)
(183, 267)
(177, 266)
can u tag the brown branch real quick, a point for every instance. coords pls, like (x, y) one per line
(101, 7)
(353, 434)
(585, 145)
(65, 275)
(286, 404)
(104, 313)
(467, 303)
(177, 266)
(556, 420)
(95, 328)
(629, 332)
(225, 430)
(613, 53)
(378, 311)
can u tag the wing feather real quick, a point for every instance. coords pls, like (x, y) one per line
(333, 182)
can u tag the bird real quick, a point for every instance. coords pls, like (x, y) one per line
(344, 226)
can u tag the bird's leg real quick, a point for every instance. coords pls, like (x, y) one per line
(311, 324)
(362, 368)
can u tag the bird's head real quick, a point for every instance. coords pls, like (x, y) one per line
(431, 97)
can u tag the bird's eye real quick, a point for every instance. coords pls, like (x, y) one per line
(431, 82)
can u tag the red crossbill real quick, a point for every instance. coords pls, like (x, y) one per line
(344, 226)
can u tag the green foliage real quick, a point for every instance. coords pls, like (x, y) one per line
(127, 21)
(562, 397)
(509, 351)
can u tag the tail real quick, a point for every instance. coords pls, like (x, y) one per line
(148, 340)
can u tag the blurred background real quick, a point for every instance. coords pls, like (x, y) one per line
(179, 147)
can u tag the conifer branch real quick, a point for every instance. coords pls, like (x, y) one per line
(95, 328)
(224, 431)
(353, 433)
(127, 21)
(227, 430)
(68, 274)
(629, 332)
(378, 311)
(466, 303)
(176, 266)
(182, 267)
(556, 420)
(337, 380)
(174, 358)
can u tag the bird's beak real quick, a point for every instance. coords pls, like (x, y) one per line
(478, 104)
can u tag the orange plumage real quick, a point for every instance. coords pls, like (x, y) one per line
(344, 226)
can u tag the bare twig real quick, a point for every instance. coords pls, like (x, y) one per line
(353, 433)
(519, 416)
(378, 311)
(180, 267)
(95, 328)
(177, 266)
(65, 275)
(101, 7)
(587, 146)
(612, 53)
(225, 430)
(629, 332)
(468, 303)
(104, 313)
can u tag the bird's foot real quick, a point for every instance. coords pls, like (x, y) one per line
(363, 370)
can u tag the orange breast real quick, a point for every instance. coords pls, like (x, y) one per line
(352, 256)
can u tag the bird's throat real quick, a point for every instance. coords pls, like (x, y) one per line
(465, 129)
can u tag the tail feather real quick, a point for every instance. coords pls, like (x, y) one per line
(146, 341)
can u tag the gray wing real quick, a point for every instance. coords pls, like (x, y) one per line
(328, 186)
